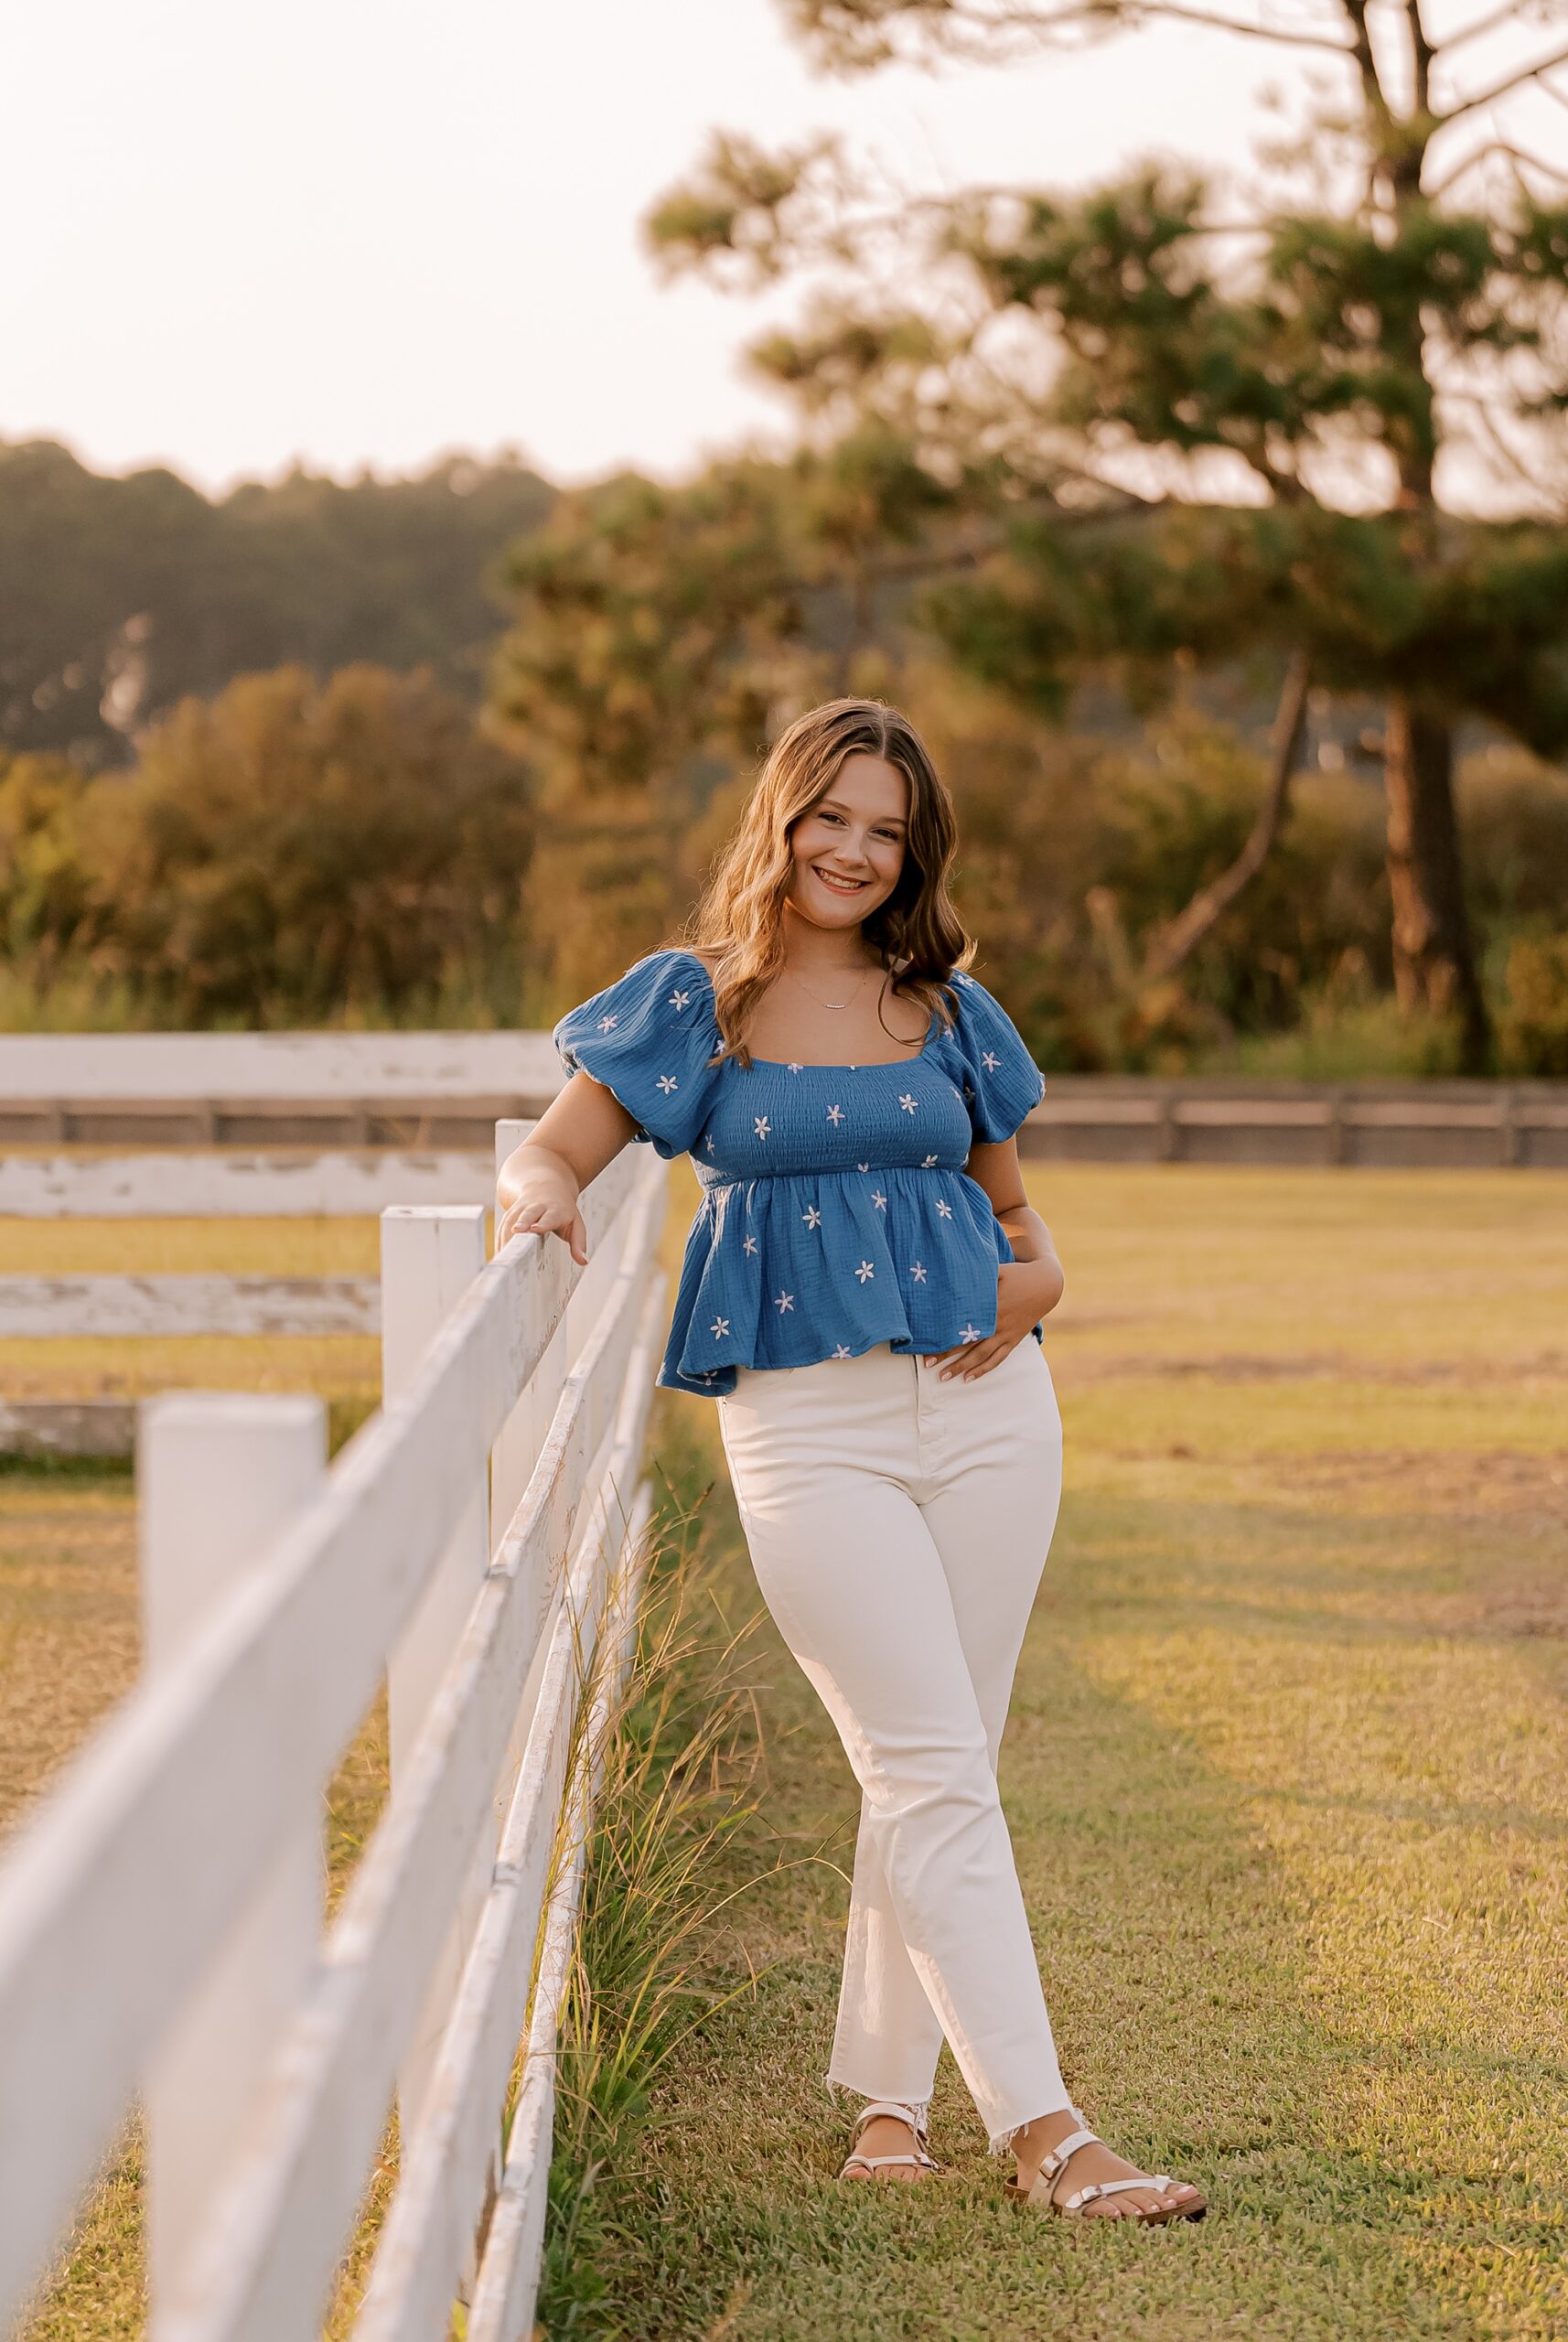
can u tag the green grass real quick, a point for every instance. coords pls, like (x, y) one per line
(1286, 1771)
(1286, 1777)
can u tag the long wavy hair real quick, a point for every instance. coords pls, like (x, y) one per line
(916, 933)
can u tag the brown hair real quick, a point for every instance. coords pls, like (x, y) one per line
(740, 915)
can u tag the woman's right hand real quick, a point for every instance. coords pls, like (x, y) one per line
(540, 1199)
(579, 1134)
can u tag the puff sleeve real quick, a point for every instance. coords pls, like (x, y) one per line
(648, 1037)
(1001, 1084)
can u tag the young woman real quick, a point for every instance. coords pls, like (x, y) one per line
(861, 1294)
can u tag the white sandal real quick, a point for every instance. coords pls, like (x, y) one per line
(1040, 2191)
(900, 2114)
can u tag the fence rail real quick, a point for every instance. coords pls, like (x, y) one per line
(341, 1148)
(119, 1305)
(159, 1916)
(297, 1185)
(1458, 1125)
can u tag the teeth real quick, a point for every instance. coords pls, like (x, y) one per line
(844, 886)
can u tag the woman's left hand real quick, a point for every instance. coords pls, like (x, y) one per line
(1026, 1292)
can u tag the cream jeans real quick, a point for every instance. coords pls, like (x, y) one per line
(898, 1525)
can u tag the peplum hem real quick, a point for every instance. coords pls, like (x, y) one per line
(787, 1271)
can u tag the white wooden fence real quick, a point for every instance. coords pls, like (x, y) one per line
(215, 1186)
(161, 1926)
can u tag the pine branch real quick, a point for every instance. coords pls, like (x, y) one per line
(1484, 25)
(1422, 54)
(1145, 10)
(1501, 89)
(1516, 155)
(1178, 940)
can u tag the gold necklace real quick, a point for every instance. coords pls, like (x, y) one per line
(817, 996)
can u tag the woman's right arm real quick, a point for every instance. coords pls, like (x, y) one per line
(578, 1134)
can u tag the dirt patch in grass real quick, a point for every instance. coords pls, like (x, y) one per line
(1458, 1485)
(1547, 1366)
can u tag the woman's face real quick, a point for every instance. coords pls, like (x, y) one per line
(849, 847)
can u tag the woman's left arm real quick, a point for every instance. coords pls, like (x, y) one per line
(1029, 1287)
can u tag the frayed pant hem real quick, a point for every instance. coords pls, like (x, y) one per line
(1002, 2141)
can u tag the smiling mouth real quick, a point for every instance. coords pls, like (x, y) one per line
(840, 885)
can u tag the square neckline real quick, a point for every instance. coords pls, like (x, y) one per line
(783, 1065)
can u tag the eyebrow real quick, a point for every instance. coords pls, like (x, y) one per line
(888, 821)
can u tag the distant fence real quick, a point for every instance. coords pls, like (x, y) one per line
(428, 1098)
(161, 1914)
(1389, 1125)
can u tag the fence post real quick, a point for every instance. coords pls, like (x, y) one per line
(430, 1256)
(220, 1476)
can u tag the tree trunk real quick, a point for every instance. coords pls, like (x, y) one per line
(1435, 966)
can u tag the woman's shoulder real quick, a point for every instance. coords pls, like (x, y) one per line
(668, 955)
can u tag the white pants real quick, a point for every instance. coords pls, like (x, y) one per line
(898, 1525)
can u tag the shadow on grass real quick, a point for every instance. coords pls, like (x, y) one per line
(1372, 2174)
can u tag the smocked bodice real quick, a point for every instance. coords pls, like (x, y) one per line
(836, 1211)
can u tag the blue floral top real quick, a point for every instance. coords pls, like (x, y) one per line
(836, 1212)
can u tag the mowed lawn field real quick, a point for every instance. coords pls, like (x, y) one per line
(1287, 1772)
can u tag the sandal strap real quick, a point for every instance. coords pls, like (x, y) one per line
(1156, 2186)
(896, 2111)
(1066, 2148)
(892, 2107)
(877, 2162)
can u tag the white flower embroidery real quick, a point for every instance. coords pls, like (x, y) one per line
(879, 1199)
(760, 1124)
(862, 1166)
(750, 1245)
(842, 1350)
(667, 1082)
(944, 1207)
(708, 1141)
(970, 1334)
(907, 1102)
(812, 1216)
(785, 1301)
(990, 1061)
(928, 1164)
(678, 1000)
(917, 1271)
(794, 1066)
(865, 1271)
(721, 1328)
(605, 1022)
(835, 1115)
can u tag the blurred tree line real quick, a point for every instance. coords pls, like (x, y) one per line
(1217, 538)
(364, 850)
(120, 596)
(290, 852)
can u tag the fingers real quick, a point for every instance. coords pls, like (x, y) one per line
(544, 1220)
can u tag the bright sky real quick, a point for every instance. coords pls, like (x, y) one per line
(371, 230)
